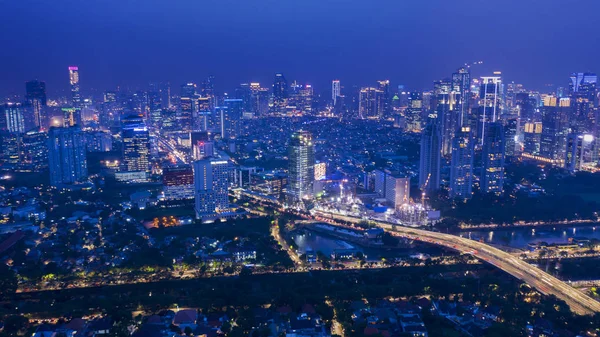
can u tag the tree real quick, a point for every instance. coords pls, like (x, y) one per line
(188, 331)
(8, 281)
(15, 324)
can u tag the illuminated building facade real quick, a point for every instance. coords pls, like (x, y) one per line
(211, 184)
(66, 155)
(74, 83)
(301, 156)
(492, 176)
(461, 168)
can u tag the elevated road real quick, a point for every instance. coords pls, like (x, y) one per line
(578, 301)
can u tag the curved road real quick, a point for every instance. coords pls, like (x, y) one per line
(544, 282)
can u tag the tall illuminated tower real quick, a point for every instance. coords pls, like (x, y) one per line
(461, 168)
(280, 93)
(431, 157)
(136, 145)
(494, 147)
(491, 102)
(301, 156)
(67, 155)
(74, 82)
(36, 99)
(336, 91)
(211, 186)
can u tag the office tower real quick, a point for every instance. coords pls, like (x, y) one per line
(336, 91)
(178, 182)
(397, 190)
(11, 149)
(431, 157)
(202, 120)
(202, 145)
(71, 116)
(35, 95)
(259, 99)
(66, 155)
(490, 103)
(280, 94)
(34, 151)
(532, 136)
(492, 176)
(136, 145)
(461, 89)
(154, 105)
(511, 136)
(526, 107)
(414, 111)
(187, 107)
(379, 178)
(583, 90)
(301, 156)
(369, 103)
(304, 99)
(444, 112)
(461, 168)
(98, 141)
(74, 82)
(208, 87)
(13, 117)
(579, 150)
(385, 97)
(211, 183)
(244, 92)
(231, 118)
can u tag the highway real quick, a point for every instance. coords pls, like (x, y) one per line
(544, 282)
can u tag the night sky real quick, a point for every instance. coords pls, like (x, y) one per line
(411, 42)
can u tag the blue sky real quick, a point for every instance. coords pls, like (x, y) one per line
(129, 43)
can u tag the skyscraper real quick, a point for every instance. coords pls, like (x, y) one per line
(136, 145)
(66, 154)
(445, 112)
(34, 151)
(461, 88)
(369, 103)
(385, 98)
(461, 168)
(490, 103)
(202, 145)
(583, 90)
(230, 116)
(211, 183)
(14, 117)
(74, 82)
(336, 91)
(492, 176)
(280, 93)
(579, 149)
(178, 182)
(187, 107)
(301, 156)
(431, 157)
(35, 94)
(414, 111)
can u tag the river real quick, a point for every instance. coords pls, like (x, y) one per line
(521, 237)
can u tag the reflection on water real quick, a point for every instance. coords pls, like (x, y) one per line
(520, 237)
(315, 242)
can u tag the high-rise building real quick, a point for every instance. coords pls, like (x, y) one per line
(431, 157)
(490, 103)
(202, 145)
(178, 182)
(71, 117)
(492, 176)
(136, 145)
(187, 107)
(461, 89)
(230, 118)
(531, 138)
(385, 98)
(301, 156)
(579, 150)
(34, 151)
(280, 93)
(369, 103)
(14, 117)
(461, 168)
(397, 190)
(211, 183)
(35, 95)
(67, 156)
(414, 111)
(445, 112)
(336, 91)
(583, 90)
(74, 83)
(11, 149)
